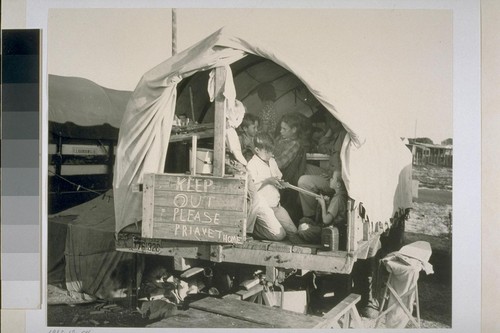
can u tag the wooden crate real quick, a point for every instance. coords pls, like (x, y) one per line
(194, 208)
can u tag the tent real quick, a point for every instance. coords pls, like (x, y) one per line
(84, 119)
(80, 108)
(376, 164)
(81, 246)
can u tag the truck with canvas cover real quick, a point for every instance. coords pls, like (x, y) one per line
(176, 117)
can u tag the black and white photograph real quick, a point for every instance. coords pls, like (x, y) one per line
(250, 168)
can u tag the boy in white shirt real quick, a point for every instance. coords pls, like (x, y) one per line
(273, 221)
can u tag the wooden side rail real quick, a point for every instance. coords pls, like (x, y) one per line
(340, 316)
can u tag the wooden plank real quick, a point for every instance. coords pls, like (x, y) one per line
(317, 157)
(253, 245)
(216, 253)
(305, 249)
(200, 233)
(219, 123)
(148, 202)
(364, 246)
(256, 313)
(332, 317)
(199, 184)
(340, 263)
(206, 201)
(244, 294)
(233, 296)
(193, 318)
(280, 247)
(80, 149)
(181, 264)
(136, 244)
(198, 208)
(198, 216)
(80, 169)
(203, 134)
(351, 227)
(194, 149)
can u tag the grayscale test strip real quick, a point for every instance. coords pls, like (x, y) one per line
(20, 162)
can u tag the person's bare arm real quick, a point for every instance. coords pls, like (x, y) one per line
(326, 216)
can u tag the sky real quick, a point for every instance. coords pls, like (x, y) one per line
(396, 63)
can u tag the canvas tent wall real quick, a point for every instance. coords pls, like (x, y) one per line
(376, 164)
(84, 119)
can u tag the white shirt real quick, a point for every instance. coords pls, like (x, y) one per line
(260, 171)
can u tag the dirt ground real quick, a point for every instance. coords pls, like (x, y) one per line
(428, 221)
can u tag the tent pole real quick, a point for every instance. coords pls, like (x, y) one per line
(219, 124)
(174, 31)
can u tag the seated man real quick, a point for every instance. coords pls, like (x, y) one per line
(316, 179)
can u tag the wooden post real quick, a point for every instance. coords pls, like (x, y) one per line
(148, 205)
(219, 124)
(194, 148)
(351, 227)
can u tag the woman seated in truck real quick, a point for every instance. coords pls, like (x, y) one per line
(288, 151)
(290, 156)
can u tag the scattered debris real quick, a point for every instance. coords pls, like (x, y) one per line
(95, 322)
(158, 309)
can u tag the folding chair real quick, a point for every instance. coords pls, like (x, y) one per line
(401, 291)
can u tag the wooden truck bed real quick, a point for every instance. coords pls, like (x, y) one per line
(253, 252)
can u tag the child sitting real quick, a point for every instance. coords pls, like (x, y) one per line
(335, 214)
(247, 131)
(272, 220)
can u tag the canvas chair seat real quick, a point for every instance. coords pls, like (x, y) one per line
(401, 290)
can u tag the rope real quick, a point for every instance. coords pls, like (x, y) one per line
(78, 186)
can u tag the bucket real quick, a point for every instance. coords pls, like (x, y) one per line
(204, 158)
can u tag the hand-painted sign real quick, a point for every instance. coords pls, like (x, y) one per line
(195, 208)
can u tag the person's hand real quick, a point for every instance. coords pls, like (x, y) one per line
(278, 183)
(275, 182)
(322, 200)
(282, 183)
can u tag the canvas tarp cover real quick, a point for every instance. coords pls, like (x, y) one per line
(81, 252)
(80, 108)
(376, 164)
